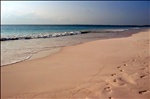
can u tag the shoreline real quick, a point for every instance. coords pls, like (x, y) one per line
(61, 34)
(45, 53)
(96, 69)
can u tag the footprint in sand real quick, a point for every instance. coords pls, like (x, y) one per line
(133, 60)
(115, 80)
(119, 67)
(143, 76)
(107, 89)
(113, 74)
(121, 70)
(119, 81)
(142, 68)
(124, 64)
(143, 91)
(110, 97)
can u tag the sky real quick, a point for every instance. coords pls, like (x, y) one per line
(76, 12)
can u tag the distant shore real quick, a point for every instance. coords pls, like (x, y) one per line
(116, 68)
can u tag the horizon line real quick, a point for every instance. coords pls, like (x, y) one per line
(79, 24)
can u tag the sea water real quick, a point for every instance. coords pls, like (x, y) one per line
(17, 32)
(20, 42)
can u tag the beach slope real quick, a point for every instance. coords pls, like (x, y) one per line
(115, 68)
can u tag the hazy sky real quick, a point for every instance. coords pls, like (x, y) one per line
(76, 12)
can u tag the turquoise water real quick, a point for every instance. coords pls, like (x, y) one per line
(16, 32)
(37, 29)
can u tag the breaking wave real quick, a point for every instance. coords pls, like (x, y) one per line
(50, 35)
(36, 36)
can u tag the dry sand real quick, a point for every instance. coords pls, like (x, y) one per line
(104, 69)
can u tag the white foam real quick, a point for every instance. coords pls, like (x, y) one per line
(35, 36)
(136, 28)
(116, 30)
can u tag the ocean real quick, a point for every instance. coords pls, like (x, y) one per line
(16, 32)
(21, 42)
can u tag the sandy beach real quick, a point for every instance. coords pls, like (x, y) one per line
(116, 68)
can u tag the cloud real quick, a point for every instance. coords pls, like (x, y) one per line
(31, 17)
